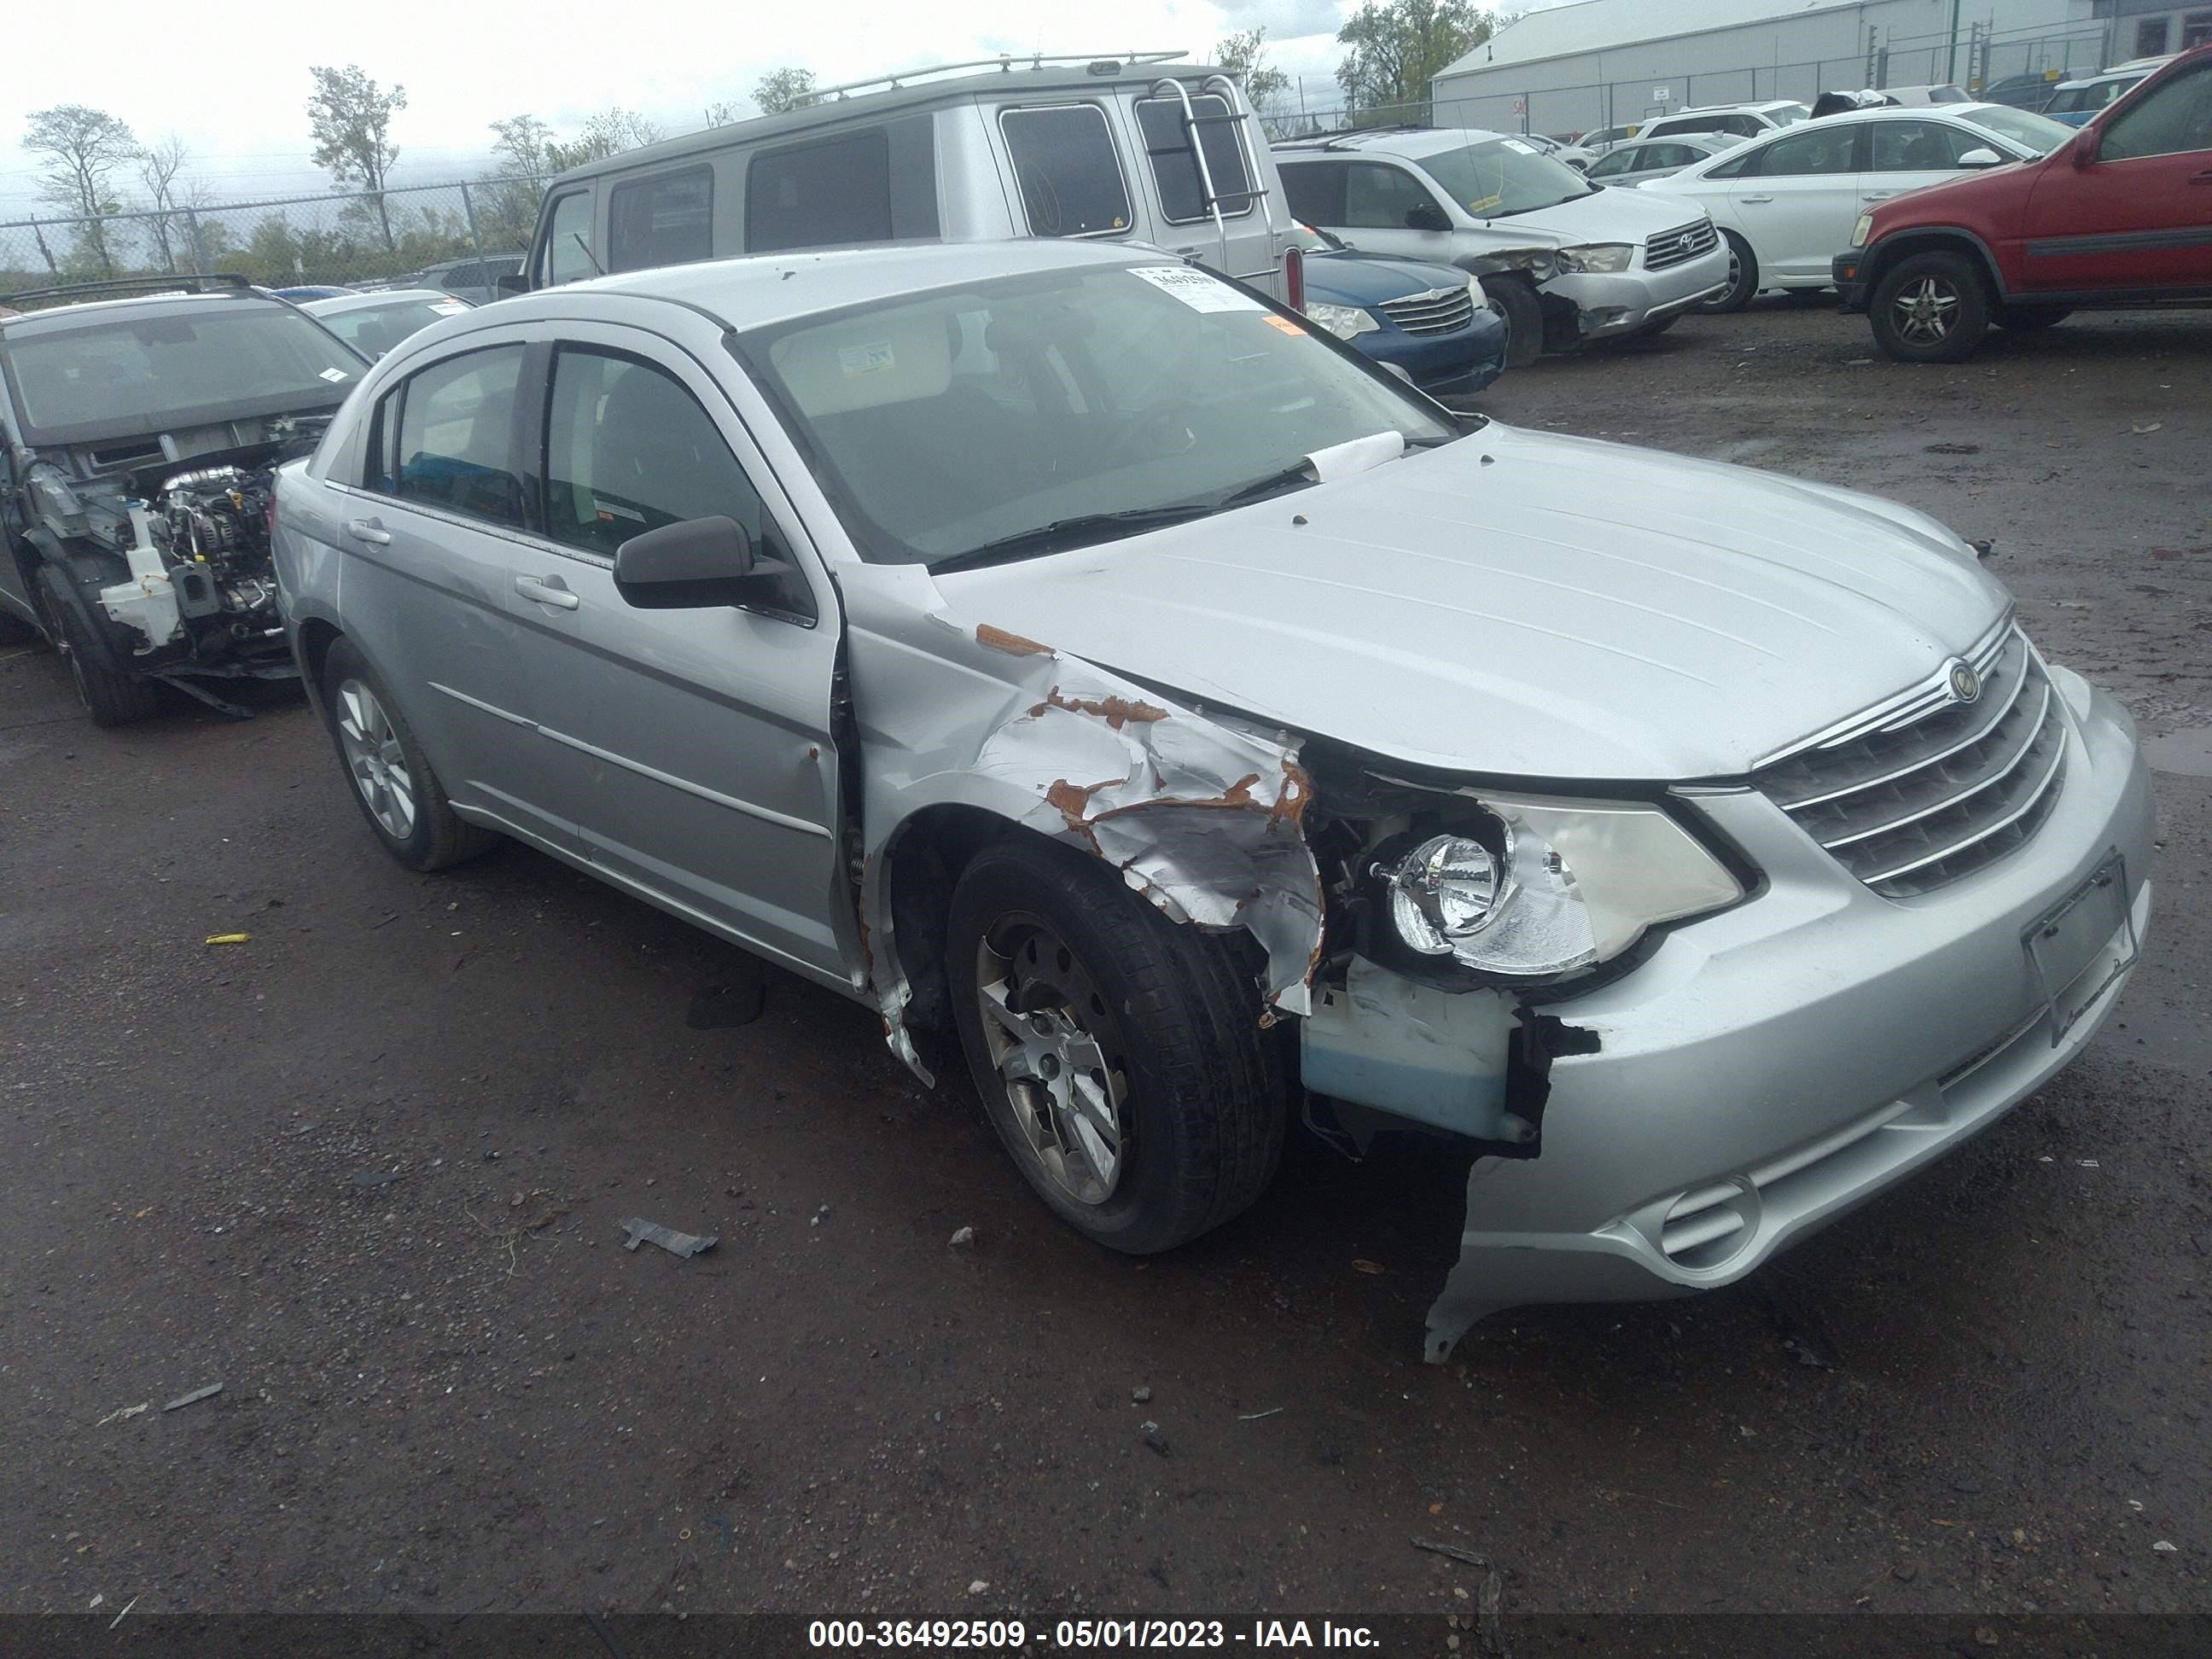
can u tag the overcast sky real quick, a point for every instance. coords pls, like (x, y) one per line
(232, 81)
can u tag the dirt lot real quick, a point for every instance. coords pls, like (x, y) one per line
(367, 1172)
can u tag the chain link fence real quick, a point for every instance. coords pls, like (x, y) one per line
(361, 239)
(1975, 59)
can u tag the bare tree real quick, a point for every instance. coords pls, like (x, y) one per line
(784, 89)
(351, 117)
(81, 151)
(723, 110)
(608, 133)
(1245, 57)
(521, 143)
(160, 167)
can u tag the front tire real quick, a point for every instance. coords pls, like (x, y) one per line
(1119, 1056)
(109, 697)
(1743, 277)
(1516, 302)
(390, 777)
(1930, 308)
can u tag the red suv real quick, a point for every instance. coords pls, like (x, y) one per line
(2121, 216)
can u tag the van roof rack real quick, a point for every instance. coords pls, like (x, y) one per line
(186, 283)
(1005, 62)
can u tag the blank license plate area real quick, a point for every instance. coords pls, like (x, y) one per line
(2082, 943)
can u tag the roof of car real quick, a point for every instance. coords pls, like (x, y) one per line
(1759, 108)
(922, 95)
(72, 314)
(771, 287)
(1391, 141)
(383, 297)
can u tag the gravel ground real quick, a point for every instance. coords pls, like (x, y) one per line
(367, 1170)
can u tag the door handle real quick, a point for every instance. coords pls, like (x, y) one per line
(368, 530)
(1754, 198)
(547, 593)
(1878, 196)
(2205, 178)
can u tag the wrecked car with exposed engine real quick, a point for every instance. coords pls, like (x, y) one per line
(138, 436)
(1122, 684)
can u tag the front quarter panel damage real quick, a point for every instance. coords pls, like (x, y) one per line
(1202, 818)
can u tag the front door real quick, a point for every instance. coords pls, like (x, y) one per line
(2140, 217)
(691, 748)
(1904, 156)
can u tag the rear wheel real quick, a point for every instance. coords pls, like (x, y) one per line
(1930, 308)
(1743, 277)
(1118, 1055)
(111, 697)
(392, 782)
(1516, 302)
(2028, 316)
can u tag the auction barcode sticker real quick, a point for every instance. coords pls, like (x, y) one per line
(1198, 290)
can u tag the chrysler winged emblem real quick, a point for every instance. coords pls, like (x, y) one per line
(1966, 684)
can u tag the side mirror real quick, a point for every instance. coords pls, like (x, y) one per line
(2086, 146)
(507, 287)
(695, 564)
(1426, 216)
(1982, 157)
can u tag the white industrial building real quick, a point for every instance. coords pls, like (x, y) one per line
(1573, 68)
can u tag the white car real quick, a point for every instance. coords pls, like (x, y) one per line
(1741, 121)
(1786, 205)
(1566, 262)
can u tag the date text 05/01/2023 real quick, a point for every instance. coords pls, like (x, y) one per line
(1087, 1634)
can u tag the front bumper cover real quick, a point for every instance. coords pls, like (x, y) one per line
(1612, 304)
(1845, 269)
(1778, 1064)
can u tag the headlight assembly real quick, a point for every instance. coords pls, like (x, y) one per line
(1862, 230)
(1537, 890)
(1343, 321)
(1596, 257)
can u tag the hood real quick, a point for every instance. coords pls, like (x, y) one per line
(1607, 215)
(1523, 605)
(1363, 279)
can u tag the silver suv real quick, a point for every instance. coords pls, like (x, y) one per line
(1062, 650)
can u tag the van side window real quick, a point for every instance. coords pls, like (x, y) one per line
(1070, 175)
(819, 195)
(666, 220)
(1159, 123)
(566, 259)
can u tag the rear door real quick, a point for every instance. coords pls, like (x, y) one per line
(2139, 217)
(1796, 197)
(690, 748)
(1243, 246)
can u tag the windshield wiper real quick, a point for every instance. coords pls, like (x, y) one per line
(1080, 530)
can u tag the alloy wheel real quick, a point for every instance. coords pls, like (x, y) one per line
(1925, 311)
(1057, 1052)
(375, 759)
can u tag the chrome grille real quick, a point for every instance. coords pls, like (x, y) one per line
(1936, 792)
(1679, 245)
(1439, 311)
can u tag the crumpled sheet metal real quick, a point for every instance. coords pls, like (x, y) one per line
(1203, 820)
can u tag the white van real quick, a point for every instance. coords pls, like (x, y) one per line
(1122, 148)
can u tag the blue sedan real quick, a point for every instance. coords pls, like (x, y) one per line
(1429, 320)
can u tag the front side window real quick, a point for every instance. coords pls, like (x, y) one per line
(1182, 198)
(945, 423)
(1824, 149)
(820, 195)
(455, 448)
(1616, 162)
(2172, 119)
(1068, 169)
(2033, 133)
(1501, 177)
(1378, 198)
(666, 220)
(627, 449)
(569, 240)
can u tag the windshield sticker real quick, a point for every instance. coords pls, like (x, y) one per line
(1283, 322)
(877, 357)
(335, 375)
(1486, 203)
(447, 307)
(1514, 144)
(1196, 288)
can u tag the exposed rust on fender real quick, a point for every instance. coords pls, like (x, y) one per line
(1014, 644)
(1290, 800)
(1117, 711)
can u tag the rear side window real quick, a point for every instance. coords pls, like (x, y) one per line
(666, 220)
(568, 259)
(456, 439)
(627, 449)
(1919, 146)
(1314, 190)
(1069, 172)
(820, 195)
(1183, 198)
(1820, 148)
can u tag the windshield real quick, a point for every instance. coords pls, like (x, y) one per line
(374, 330)
(941, 424)
(1502, 176)
(2033, 133)
(150, 372)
